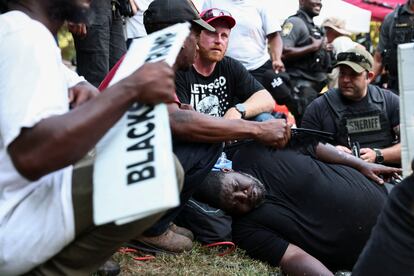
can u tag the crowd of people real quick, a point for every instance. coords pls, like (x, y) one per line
(313, 202)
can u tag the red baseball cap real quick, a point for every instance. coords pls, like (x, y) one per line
(214, 14)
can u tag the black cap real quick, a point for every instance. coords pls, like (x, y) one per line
(170, 12)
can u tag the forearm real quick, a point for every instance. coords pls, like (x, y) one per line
(196, 127)
(275, 46)
(59, 141)
(292, 53)
(296, 261)
(392, 155)
(328, 153)
(378, 66)
(259, 102)
(134, 6)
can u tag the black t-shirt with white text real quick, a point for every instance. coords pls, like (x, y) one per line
(229, 84)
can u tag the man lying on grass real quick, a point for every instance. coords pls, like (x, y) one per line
(314, 211)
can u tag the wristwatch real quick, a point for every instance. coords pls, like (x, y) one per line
(379, 158)
(242, 109)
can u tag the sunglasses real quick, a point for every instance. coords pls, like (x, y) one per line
(353, 57)
(211, 13)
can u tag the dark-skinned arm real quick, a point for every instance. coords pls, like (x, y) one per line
(292, 53)
(59, 141)
(330, 154)
(296, 261)
(192, 126)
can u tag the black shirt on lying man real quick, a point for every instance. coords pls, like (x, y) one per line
(314, 216)
(328, 210)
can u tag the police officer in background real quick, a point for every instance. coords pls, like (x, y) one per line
(397, 28)
(305, 54)
(362, 116)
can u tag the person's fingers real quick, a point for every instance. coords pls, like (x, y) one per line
(376, 178)
(71, 95)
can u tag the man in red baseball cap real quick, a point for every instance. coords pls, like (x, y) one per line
(218, 85)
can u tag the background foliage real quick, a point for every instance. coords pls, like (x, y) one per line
(66, 44)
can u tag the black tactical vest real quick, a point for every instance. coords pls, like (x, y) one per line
(319, 61)
(368, 125)
(401, 32)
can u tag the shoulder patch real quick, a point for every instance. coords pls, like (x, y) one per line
(287, 28)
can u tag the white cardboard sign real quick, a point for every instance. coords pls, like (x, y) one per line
(134, 172)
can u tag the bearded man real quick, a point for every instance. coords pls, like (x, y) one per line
(217, 85)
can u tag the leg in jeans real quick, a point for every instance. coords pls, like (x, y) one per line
(390, 249)
(93, 245)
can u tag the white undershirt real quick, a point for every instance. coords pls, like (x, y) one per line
(248, 42)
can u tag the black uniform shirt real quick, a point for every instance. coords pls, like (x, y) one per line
(319, 116)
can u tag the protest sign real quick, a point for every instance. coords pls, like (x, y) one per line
(134, 172)
(406, 85)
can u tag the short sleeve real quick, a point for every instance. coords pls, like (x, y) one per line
(293, 31)
(270, 20)
(312, 117)
(72, 78)
(246, 84)
(32, 84)
(259, 241)
(181, 89)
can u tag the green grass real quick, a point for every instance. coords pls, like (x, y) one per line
(198, 261)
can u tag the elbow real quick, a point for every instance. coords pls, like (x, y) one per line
(269, 102)
(178, 125)
(270, 105)
(176, 131)
(26, 166)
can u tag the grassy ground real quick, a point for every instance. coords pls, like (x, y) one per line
(199, 261)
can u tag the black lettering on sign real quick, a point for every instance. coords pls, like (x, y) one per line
(140, 133)
(161, 47)
(140, 175)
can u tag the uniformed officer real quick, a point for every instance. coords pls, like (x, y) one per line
(358, 113)
(305, 55)
(397, 28)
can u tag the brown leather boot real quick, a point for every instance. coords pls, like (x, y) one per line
(182, 231)
(168, 242)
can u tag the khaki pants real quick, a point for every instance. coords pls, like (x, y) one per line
(93, 245)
